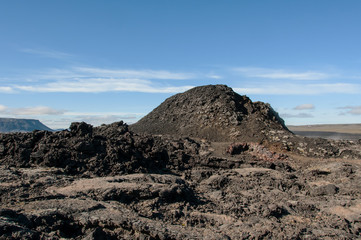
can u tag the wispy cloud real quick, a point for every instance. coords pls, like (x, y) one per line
(35, 111)
(95, 80)
(214, 76)
(353, 110)
(6, 89)
(40, 110)
(280, 74)
(298, 115)
(47, 53)
(58, 119)
(97, 120)
(100, 114)
(94, 118)
(301, 89)
(306, 106)
(97, 85)
(128, 73)
(2, 108)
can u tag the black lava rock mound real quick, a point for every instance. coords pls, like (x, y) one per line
(212, 112)
(106, 150)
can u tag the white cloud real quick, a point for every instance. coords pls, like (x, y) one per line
(280, 74)
(132, 114)
(47, 53)
(93, 118)
(40, 110)
(96, 85)
(3, 108)
(299, 115)
(301, 89)
(304, 107)
(30, 111)
(103, 117)
(97, 120)
(214, 76)
(353, 110)
(91, 80)
(128, 73)
(6, 90)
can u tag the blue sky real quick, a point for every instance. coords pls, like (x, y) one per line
(105, 61)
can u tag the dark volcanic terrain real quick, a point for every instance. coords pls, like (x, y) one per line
(213, 112)
(222, 168)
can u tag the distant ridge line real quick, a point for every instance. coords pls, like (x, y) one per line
(10, 125)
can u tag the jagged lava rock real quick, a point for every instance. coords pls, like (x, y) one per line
(212, 112)
(105, 150)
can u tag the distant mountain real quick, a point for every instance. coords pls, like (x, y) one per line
(21, 125)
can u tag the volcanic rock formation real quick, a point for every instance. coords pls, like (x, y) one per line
(212, 112)
(106, 150)
(108, 182)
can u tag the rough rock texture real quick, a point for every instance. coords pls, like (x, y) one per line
(218, 114)
(313, 147)
(248, 199)
(213, 112)
(108, 182)
(106, 150)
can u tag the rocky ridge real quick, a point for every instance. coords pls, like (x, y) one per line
(21, 125)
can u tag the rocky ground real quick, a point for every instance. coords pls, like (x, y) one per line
(111, 183)
(170, 189)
